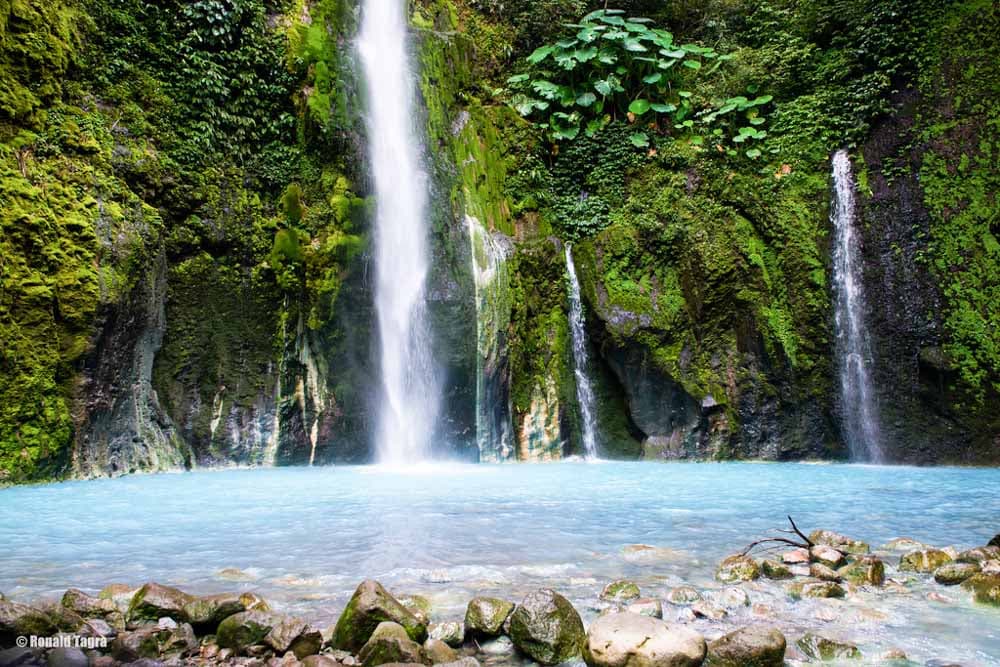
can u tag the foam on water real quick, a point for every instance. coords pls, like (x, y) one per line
(305, 537)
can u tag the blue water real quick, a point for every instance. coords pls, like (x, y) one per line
(304, 537)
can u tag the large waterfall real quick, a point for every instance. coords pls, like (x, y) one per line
(860, 419)
(409, 401)
(584, 392)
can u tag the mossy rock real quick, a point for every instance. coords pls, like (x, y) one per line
(245, 629)
(154, 601)
(621, 591)
(87, 605)
(839, 542)
(952, 574)
(737, 568)
(985, 588)
(774, 570)
(547, 628)
(370, 605)
(683, 595)
(923, 560)
(207, 612)
(978, 554)
(418, 605)
(815, 589)
(390, 643)
(821, 648)
(485, 617)
(868, 571)
(753, 646)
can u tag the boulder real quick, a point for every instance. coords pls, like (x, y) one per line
(87, 605)
(371, 605)
(319, 661)
(795, 557)
(828, 556)
(390, 643)
(839, 542)
(485, 617)
(244, 629)
(15, 657)
(754, 646)
(154, 601)
(737, 568)
(631, 640)
(547, 628)
(205, 613)
(154, 642)
(438, 652)
(68, 657)
(683, 595)
(451, 633)
(867, 571)
(704, 609)
(732, 598)
(289, 634)
(620, 591)
(995, 542)
(651, 607)
(903, 544)
(823, 573)
(120, 595)
(774, 570)
(815, 589)
(418, 605)
(978, 555)
(985, 588)
(923, 560)
(952, 574)
(820, 648)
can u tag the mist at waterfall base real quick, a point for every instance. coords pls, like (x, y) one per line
(305, 537)
(853, 350)
(408, 403)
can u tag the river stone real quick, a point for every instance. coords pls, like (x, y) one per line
(620, 591)
(839, 542)
(704, 609)
(67, 657)
(815, 589)
(390, 643)
(904, 544)
(828, 556)
(683, 595)
(97, 627)
(451, 633)
(737, 568)
(87, 605)
(467, 661)
(485, 617)
(951, 574)
(631, 640)
(418, 605)
(244, 629)
(294, 635)
(753, 646)
(119, 594)
(822, 572)
(732, 598)
(154, 601)
(19, 619)
(985, 588)
(923, 560)
(775, 570)
(978, 555)
(867, 571)
(319, 661)
(205, 613)
(651, 607)
(795, 557)
(438, 652)
(820, 648)
(370, 605)
(153, 641)
(547, 628)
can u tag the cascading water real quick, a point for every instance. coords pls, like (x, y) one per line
(584, 392)
(409, 405)
(860, 422)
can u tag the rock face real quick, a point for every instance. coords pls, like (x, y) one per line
(924, 560)
(485, 617)
(209, 611)
(390, 643)
(995, 542)
(547, 628)
(753, 646)
(86, 605)
(737, 568)
(370, 605)
(630, 640)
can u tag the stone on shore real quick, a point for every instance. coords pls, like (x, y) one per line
(839, 542)
(651, 607)
(390, 643)
(154, 601)
(795, 557)
(823, 573)
(244, 629)
(631, 640)
(485, 617)
(467, 661)
(923, 560)
(205, 613)
(821, 648)
(754, 646)
(418, 605)
(951, 574)
(774, 570)
(620, 591)
(319, 661)
(815, 589)
(438, 652)
(705, 609)
(370, 605)
(978, 555)
(985, 588)
(547, 628)
(737, 568)
(87, 605)
(731, 597)
(451, 633)
(120, 595)
(68, 657)
(683, 595)
(904, 544)
(867, 571)
(828, 556)
(293, 634)
(154, 642)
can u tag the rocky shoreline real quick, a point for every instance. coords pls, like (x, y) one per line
(154, 625)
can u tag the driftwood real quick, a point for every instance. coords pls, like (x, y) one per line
(776, 542)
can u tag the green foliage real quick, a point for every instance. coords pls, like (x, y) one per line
(616, 67)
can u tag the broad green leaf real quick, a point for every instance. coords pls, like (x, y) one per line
(639, 106)
(652, 78)
(663, 108)
(607, 56)
(639, 139)
(693, 64)
(612, 20)
(684, 93)
(566, 43)
(634, 45)
(672, 53)
(753, 153)
(540, 54)
(763, 99)
(603, 87)
(546, 89)
(756, 121)
(697, 140)
(585, 55)
(586, 99)
(518, 78)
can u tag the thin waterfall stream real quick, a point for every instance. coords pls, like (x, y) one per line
(857, 396)
(584, 390)
(409, 387)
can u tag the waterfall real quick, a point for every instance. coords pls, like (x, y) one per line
(409, 387)
(860, 423)
(584, 392)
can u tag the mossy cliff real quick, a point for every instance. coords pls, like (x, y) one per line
(184, 231)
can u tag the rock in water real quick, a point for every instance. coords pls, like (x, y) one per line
(839, 542)
(450, 632)
(951, 574)
(438, 652)
(737, 568)
(153, 602)
(822, 572)
(205, 613)
(242, 630)
(815, 589)
(795, 557)
(978, 555)
(485, 617)
(390, 643)
(867, 571)
(620, 591)
(646, 607)
(546, 627)
(820, 648)
(828, 556)
(775, 570)
(418, 605)
(630, 640)
(370, 605)
(985, 588)
(923, 560)
(683, 595)
(754, 646)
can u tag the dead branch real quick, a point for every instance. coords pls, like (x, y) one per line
(775, 542)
